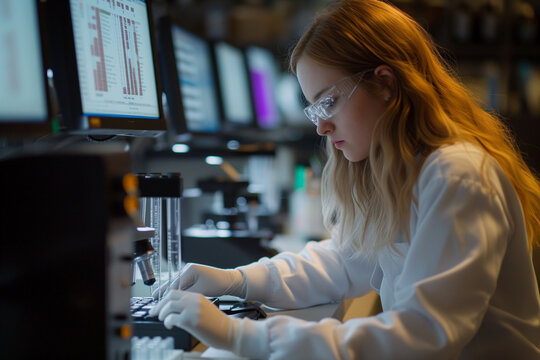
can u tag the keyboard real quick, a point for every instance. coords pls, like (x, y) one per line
(140, 306)
(146, 325)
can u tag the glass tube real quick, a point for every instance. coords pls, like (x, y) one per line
(155, 222)
(173, 237)
(143, 210)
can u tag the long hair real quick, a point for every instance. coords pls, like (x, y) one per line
(430, 108)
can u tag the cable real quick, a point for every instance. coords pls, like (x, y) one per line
(101, 139)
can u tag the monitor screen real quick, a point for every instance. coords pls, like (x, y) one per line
(114, 58)
(23, 92)
(105, 70)
(234, 84)
(291, 101)
(196, 79)
(263, 74)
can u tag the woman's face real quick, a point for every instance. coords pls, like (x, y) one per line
(350, 129)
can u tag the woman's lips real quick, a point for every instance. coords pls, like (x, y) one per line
(339, 144)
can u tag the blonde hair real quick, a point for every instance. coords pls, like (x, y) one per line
(430, 108)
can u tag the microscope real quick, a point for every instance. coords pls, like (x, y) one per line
(157, 252)
(142, 256)
(231, 207)
(230, 234)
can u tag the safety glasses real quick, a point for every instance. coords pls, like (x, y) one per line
(333, 100)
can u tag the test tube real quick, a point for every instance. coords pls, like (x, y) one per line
(155, 222)
(139, 348)
(154, 349)
(173, 237)
(144, 213)
(167, 348)
(143, 210)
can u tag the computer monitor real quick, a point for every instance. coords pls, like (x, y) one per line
(24, 104)
(234, 85)
(263, 72)
(105, 69)
(188, 81)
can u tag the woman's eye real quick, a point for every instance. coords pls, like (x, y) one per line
(328, 102)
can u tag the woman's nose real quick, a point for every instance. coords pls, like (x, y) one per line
(324, 127)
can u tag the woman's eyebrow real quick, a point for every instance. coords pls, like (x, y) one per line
(320, 92)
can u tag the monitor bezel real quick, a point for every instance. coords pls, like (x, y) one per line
(66, 78)
(13, 128)
(176, 121)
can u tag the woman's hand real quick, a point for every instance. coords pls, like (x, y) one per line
(198, 316)
(207, 280)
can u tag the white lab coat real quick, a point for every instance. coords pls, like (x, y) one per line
(463, 288)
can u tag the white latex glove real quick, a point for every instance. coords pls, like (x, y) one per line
(207, 280)
(198, 316)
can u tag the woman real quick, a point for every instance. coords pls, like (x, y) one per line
(426, 197)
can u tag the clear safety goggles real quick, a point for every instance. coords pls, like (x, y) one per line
(331, 102)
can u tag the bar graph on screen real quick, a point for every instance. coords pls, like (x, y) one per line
(115, 66)
(96, 49)
(126, 32)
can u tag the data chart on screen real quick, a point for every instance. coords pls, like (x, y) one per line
(22, 85)
(194, 67)
(114, 58)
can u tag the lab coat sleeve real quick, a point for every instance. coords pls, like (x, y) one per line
(319, 274)
(441, 295)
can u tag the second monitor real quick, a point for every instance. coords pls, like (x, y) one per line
(188, 81)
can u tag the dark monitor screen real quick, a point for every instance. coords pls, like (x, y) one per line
(196, 79)
(23, 87)
(234, 84)
(115, 89)
(263, 74)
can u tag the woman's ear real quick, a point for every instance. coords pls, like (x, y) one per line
(385, 74)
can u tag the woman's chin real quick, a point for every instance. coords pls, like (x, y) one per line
(353, 157)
